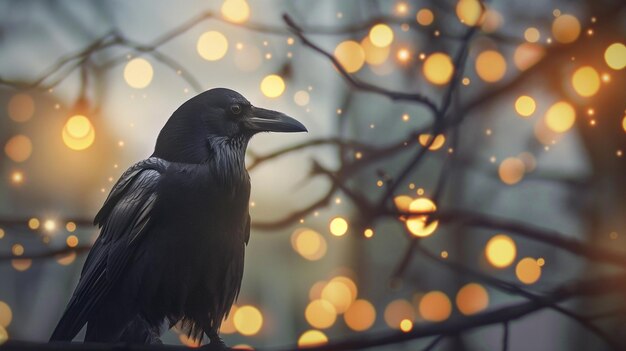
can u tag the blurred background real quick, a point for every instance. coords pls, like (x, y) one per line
(529, 121)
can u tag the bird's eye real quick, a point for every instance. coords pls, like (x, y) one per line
(236, 109)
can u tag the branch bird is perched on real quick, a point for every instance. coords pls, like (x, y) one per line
(174, 228)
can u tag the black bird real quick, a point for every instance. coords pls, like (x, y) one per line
(174, 229)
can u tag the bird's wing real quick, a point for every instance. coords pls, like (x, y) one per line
(124, 217)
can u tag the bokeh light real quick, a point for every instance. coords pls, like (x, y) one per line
(6, 314)
(425, 17)
(381, 35)
(532, 35)
(525, 106)
(417, 224)
(248, 320)
(18, 148)
(312, 338)
(360, 316)
(528, 271)
(438, 68)
(21, 264)
(435, 306)
(500, 251)
(272, 86)
(4, 335)
(397, 311)
(527, 55)
(236, 11)
(424, 139)
(138, 73)
(21, 107)
(565, 29)
(338, 226)
(309, 244)
(228, 324)
(615, 56)
(339, 294)
(350, 55)
(469, 12)
(406, 325)
(560, 117)
(320, 314)
(212, 45)
(374, 55)
(511, 170)
(586, 81)
(472, 298)
(301, 98)
(490, 66)
(78, 133)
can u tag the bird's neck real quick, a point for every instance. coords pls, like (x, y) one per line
(228, 158)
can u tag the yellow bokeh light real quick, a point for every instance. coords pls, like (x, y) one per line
(309, 244)
(511, 170)
(349, 283)
(72, 241)
(417, 224)
(491, 21)
(381, 35)
(586, 81)
(490, 66)
(403, 202)
(530, 163)
(374, 55)
(66, 259)
(528, 271)
(360, 316)
(272, 86)
(17, 250)
(532, 35)
(6, 315)
(500, 251)
(624, 123)
(320, 314)
(435, 306)
(472, 298)
(560, 117)
(301, 98)
(565, 29)
(315, 292)
(425, 17)
(21, 264)
(438, 68)
(312, 338)
(350, 55)
(70, 226)
(248, 320)
(21, 107)
(78, 133)
(138, 73)
(18, 148)
(17, 177)
(4, 335)
(470, 12)
(397, 311)
(33, 223)
(406, 325)
(527, 55)
(615, 56)
(49, 225)
(338, 294)
(212, 45)
(525, 106)
(368, 233)
(338, 226)
(236, 11)
(424, 139)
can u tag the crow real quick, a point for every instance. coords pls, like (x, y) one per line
(174, 228)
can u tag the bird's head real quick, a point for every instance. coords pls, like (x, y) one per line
(217, 116)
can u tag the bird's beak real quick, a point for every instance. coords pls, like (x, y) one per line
(262, 120)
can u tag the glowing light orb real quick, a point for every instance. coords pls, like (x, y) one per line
(586, 81)
(21, 264)
(565, 29)
(309, 244)
(21, 107)
(381, 35)
(301, 98)
(350, 55)
(33, 223)
(312, 338)
(500, 251)
(472, 298)
(525, 106)
(425, 17)
(438, 68)
(66, 259)
(70, 226)
(6, 315)
(272, 86)
(212, 45)
(424, 139)
(560, 117)
(374, 55)
(360, 316)
(532, 35)
(338, 226)
(511, 170)
(527, 55)
(470, 12)
(615, 56)
(406, 325)
(236, 11)
(397, 311)
(417, 224)
(78, 133)
(19, 148)
(4, 335)
(320, 314)
(435, 306)
(338, 294)
(72, 241)
(138, 73)
(528, 271)
(490, 66)
(248, 320)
